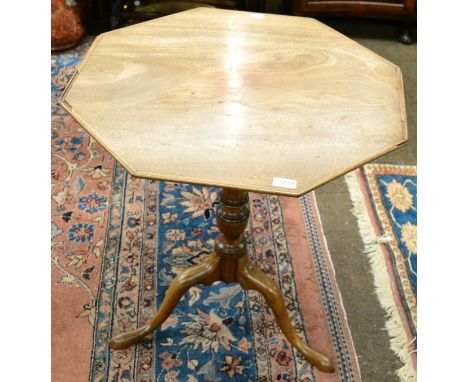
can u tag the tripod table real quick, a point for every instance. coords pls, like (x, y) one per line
(241, 101)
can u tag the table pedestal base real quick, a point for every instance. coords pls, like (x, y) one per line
(228, 263)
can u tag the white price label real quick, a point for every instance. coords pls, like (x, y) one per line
(285, 183)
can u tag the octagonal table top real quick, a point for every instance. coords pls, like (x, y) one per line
(260, 102)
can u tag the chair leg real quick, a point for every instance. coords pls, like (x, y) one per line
(406, 35)
(250, 277)
(204, 273)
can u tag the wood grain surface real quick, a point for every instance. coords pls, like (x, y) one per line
(235, 99)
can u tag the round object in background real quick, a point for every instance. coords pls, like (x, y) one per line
(68, 23)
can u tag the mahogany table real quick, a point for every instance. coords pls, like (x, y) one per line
(242, 101)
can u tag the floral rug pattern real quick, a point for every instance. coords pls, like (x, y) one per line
(394, 191)
(119, 241)
(217, 332)
(385, 204)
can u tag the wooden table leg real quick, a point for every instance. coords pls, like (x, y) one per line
(232, 217)
(229, 263)
(204, 273)
(250, 277)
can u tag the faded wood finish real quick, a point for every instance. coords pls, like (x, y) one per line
(229, 263)
(235, 99)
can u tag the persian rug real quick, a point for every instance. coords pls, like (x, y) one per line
(119, 241)
(385, 203)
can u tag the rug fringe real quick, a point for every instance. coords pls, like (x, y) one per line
(398, 341)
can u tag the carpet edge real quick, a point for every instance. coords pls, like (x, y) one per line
(339, 296)
(383, 290)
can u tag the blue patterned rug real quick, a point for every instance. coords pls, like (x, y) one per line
(385, 203)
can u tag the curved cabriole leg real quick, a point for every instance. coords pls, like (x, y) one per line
(204, 273)
(250, 277)
(229, 263)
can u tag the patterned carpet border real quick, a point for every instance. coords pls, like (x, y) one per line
(327, 292)
(384, 200)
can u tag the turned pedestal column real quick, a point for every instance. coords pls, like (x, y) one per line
(229, 262)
